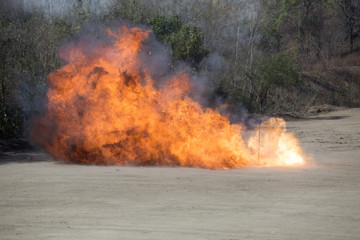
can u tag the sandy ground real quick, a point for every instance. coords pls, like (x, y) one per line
(44, 199)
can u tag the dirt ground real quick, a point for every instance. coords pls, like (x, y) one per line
(43, 199)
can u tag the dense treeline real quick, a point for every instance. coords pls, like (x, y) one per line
(269, 56)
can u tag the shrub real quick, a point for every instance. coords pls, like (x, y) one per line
(186, 40)
(11, 122)
(269, 75)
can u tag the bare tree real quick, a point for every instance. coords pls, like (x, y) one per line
(350, 15)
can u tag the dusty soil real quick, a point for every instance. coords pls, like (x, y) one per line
(44, 199)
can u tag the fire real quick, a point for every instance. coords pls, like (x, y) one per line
(103, 108)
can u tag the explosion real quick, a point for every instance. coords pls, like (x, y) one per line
(103, 108)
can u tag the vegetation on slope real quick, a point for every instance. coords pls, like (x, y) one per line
(270, 56)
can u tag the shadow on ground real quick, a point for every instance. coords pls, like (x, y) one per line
(20, 151)
(327, 118)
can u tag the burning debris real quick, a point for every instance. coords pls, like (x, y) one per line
(104, 109)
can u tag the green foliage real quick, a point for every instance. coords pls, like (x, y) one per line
(187, 44)
(269, 75)
(308, 13)
(164, 27)
(127, 10)
(28, 52)
(186, 40)
(271, 32)
(251, 63)
(300, 17)
(278, 70)
(11, 122)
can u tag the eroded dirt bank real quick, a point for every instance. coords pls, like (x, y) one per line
(44, 199)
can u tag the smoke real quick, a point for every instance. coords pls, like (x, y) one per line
(157, 58)
(104, 109)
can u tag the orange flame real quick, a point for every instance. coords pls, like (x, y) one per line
(104, 109)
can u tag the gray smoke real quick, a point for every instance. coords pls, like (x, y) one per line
(221, 31)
